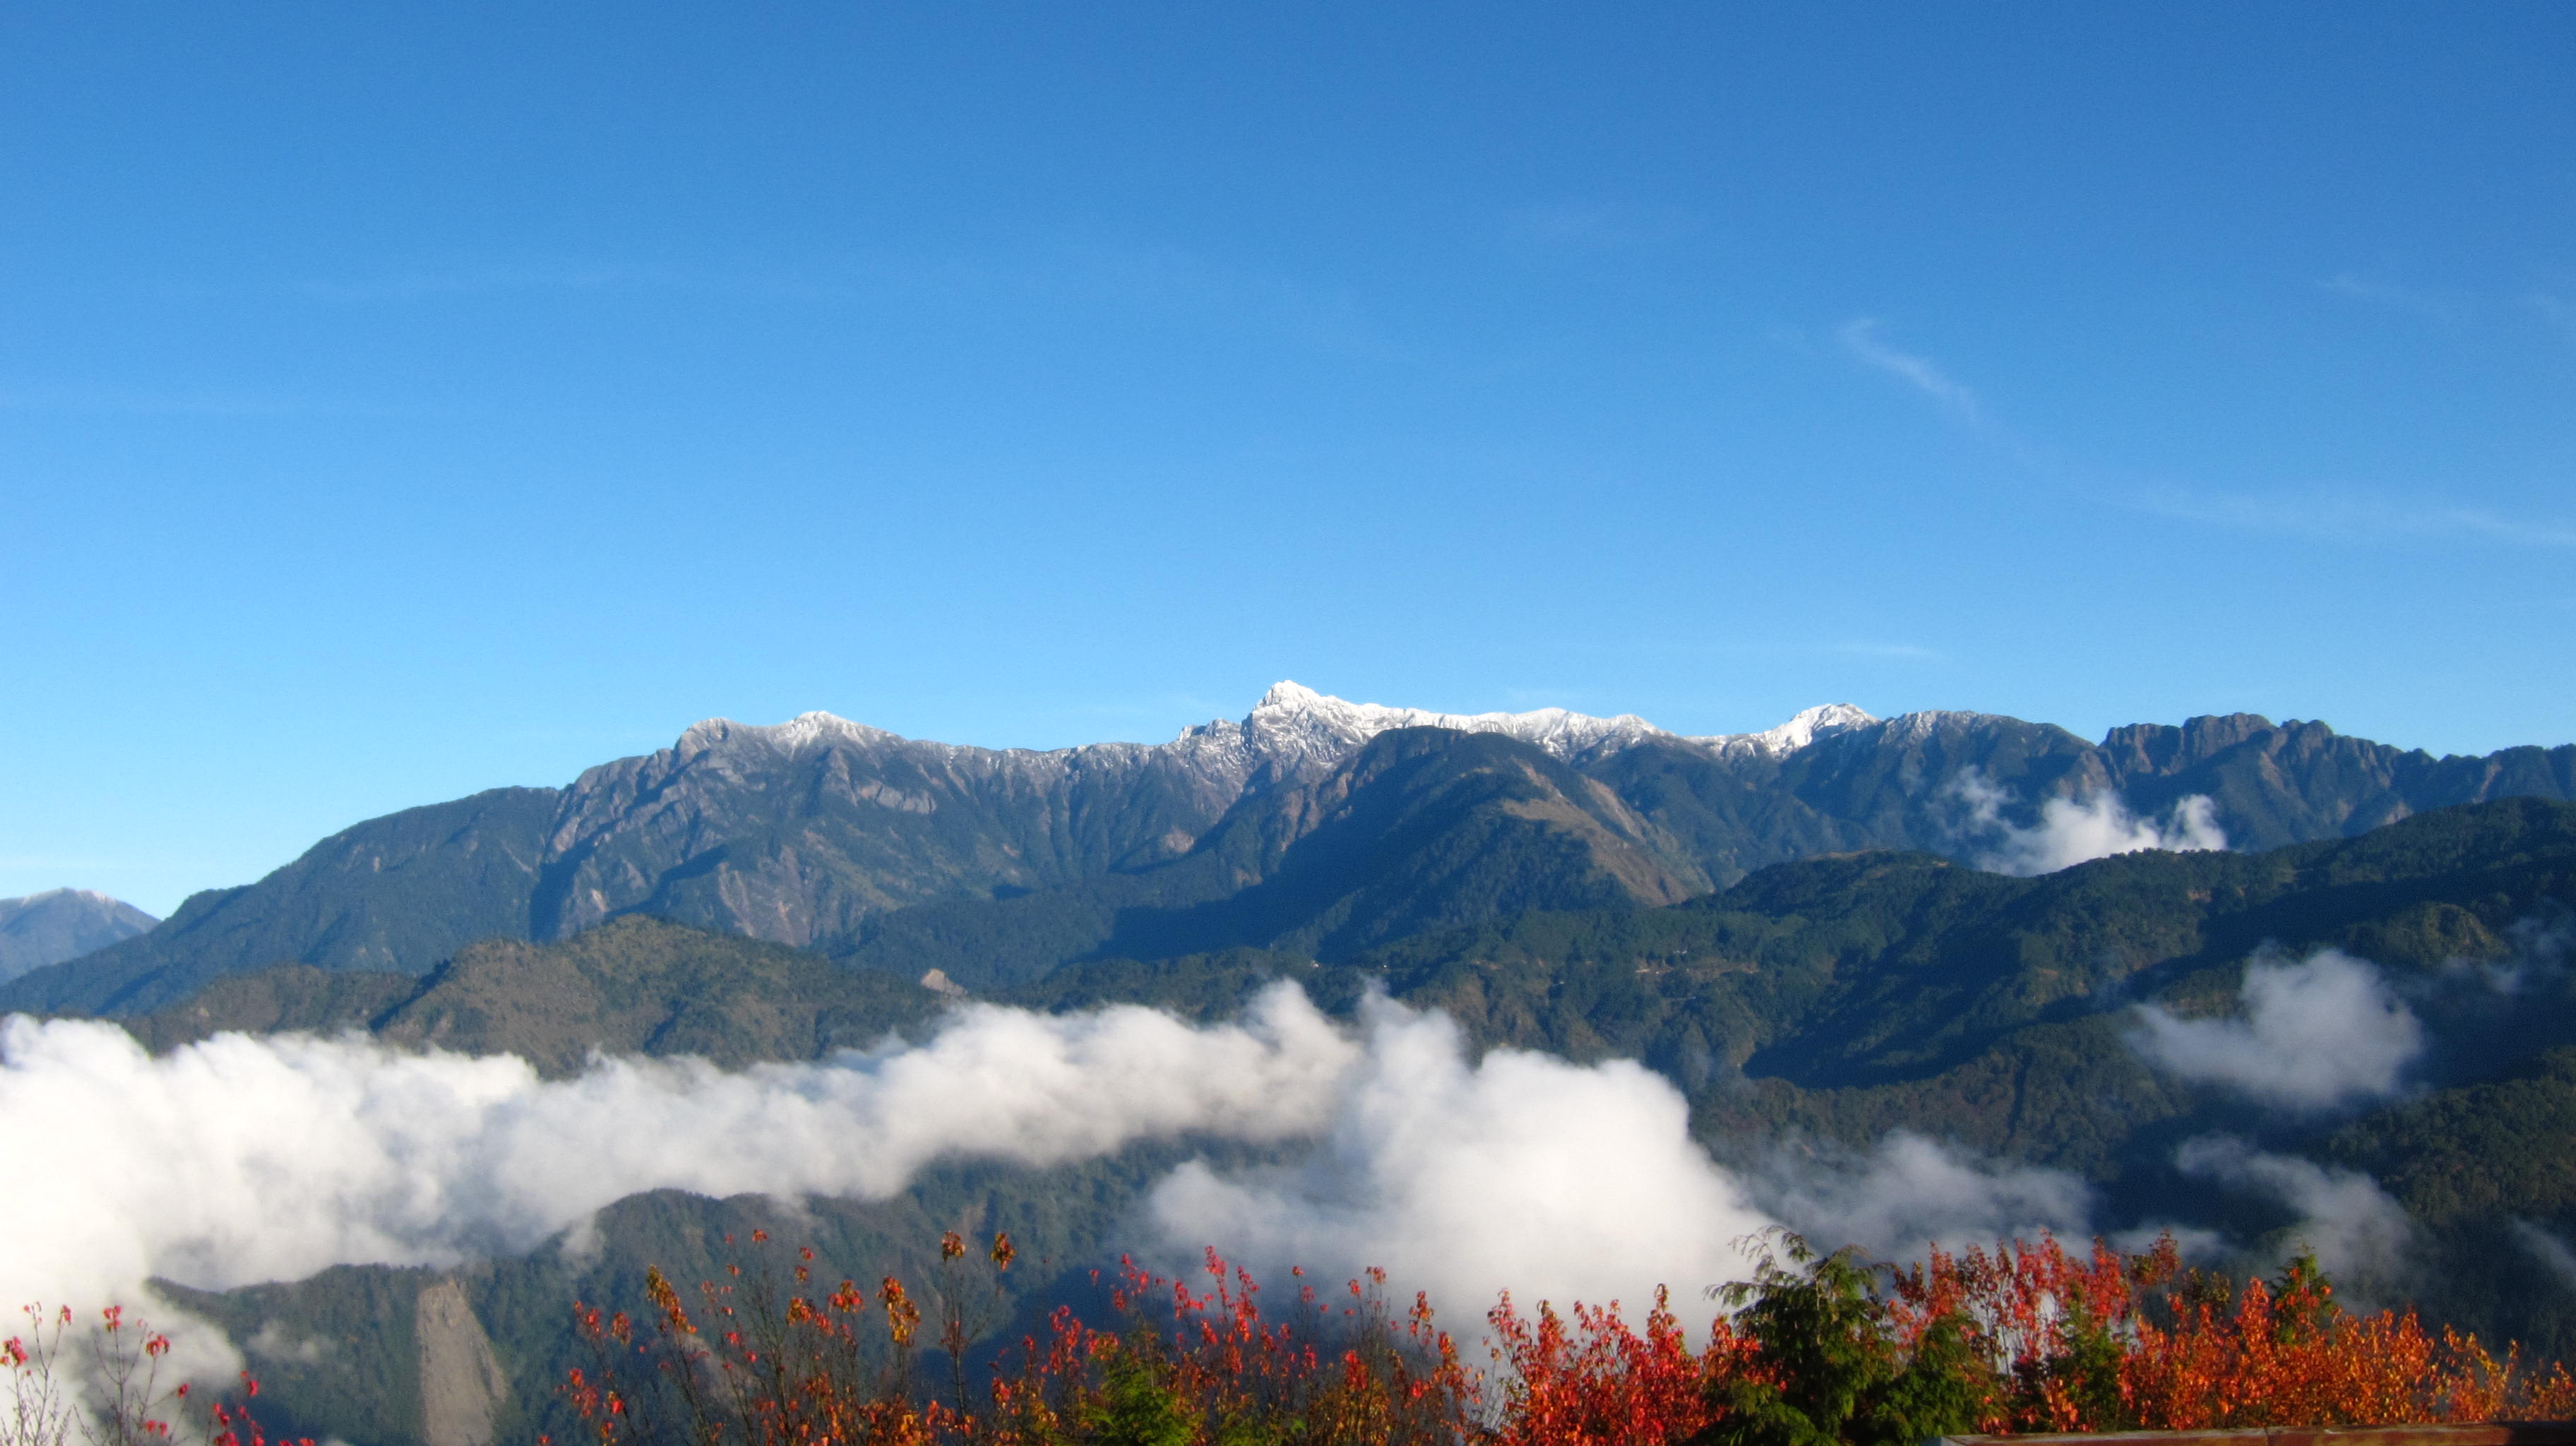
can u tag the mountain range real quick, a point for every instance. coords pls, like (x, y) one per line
(1815, 933)
(1311, 824)
(60, 924)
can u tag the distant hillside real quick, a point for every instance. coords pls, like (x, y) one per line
(629, 986)
(1311, 824)
(61, 924)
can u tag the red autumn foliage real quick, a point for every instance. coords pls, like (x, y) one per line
(2119, 1341)
(1600, 1381)
(2026, 1337)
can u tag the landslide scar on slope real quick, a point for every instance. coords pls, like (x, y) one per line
(461, 1385)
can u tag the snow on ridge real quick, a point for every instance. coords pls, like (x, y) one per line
(787, 737)
(1802, 729)
(42, 896)
(1294, 726)
(1923, 723)
(1297, 721)
(46, 900)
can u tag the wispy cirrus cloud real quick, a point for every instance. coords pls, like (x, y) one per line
(2352, 515)
(1743, 647)
(1897, 652)
(1599, 225)
(1860, 338)
(2556, 310)
(212, 405)
(425, 285)
(2446, 308)
(1136, 281)
(2338, 515)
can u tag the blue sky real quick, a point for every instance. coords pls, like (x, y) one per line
(400, 401)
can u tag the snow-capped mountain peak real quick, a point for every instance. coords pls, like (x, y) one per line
(1294, 724)
(1292, 729)
(788, 737)
(1802, 729)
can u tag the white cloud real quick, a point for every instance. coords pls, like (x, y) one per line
(247, 1159)
(2354, 1227)
(1910, 1192)
(244, 1159)
(2549, 1250)
(2077, 830)
(1556, 1180)
(2315, 1034)
(1860, 338)
(274, 1342)
(2539, 958)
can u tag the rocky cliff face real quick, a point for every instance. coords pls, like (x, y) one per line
(828, 834)
(2287, 783)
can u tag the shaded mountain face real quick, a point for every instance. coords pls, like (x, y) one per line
(1288, 829)
(1421, 828)
(61, 924)
(401, 892)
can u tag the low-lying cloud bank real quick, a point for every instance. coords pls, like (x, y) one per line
(245, 1159)
(2354, 1227)
(2322, 1032)
(2072, 831)
(1910, 1192)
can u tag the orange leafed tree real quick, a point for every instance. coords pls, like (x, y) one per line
(104, 1386)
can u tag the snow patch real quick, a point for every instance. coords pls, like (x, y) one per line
(1799, 732)
(802, 731)
(1293, 723)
